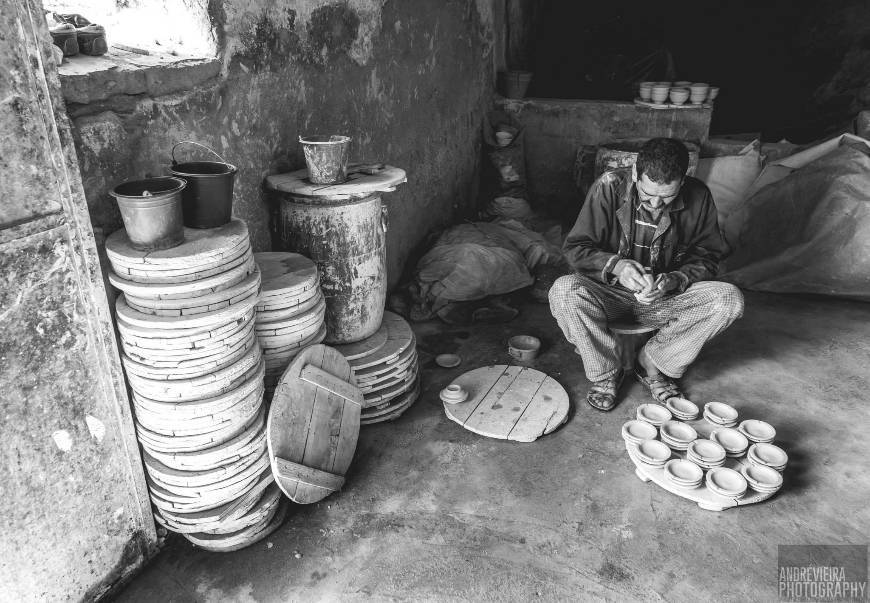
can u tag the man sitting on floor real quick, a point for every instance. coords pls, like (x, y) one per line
(645, 246)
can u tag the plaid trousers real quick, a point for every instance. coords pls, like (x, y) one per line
(686, 321)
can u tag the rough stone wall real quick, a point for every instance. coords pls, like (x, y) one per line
(407, 81)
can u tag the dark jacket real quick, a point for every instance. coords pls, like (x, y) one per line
(687, 239)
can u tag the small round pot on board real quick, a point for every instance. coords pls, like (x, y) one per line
(524, 348)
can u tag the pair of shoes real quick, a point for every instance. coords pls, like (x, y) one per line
(602, 394)
(74, 34)
(661, 387)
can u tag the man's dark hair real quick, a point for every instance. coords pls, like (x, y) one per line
(663, 160)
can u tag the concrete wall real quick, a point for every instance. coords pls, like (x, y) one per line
(408, 81)
(75, 514)
(555, 130)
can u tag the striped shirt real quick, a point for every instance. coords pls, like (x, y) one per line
(645, 225)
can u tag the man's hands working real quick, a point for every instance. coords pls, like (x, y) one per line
(647, 289)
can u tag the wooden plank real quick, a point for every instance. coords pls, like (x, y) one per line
(478, 383)
(545, 412)
(331, 383)
(288, 470)
(497, 415)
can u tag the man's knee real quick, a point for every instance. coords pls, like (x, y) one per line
(727, 301)
(568, 289)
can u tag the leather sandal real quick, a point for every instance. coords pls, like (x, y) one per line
(661, 387)
(602, 394)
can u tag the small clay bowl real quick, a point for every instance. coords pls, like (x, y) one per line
(503, 138)
(524, 347)
(713, 93)
(682, 408)
(683, 473)
(718, 412)
(706, 451)
(453, 394)
(645, 90)
(659, 93)
(767, 454)
(683, 84)
(448, 360)
(678, 432)
(679, 95)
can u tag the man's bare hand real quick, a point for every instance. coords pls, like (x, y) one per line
(631, 275)
(662, 286)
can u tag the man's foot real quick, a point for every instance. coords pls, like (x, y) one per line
(661, 387)
(602, 394)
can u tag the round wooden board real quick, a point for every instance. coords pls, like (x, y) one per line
(239, 447)
(226, 543)
(174, 342)
(196, 368)
(225, 432)
(399, 338)
(396, 389)
(248, 286)
(270, 352)
(288, 341)
(313, 421)
(190, 357)
(270, 316)
(282, 303)
(395, 409)
(357, 186)
(238, 481)
(168, 325)
(231, 510)
(235, 415)
(187, 274)
(510, 403)
(175, 477)
(395, 364)
(296, 323)
(200, 245)
(186, 290)
(364, 348)
(285, 275)
(180, 411)
(208, 385)
(384, 380)
(252, 514)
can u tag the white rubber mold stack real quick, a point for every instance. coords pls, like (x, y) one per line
(290, 311)
(186, 320)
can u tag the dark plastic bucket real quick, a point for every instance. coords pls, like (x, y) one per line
(326, 158)
(151, 210)
(207, 201)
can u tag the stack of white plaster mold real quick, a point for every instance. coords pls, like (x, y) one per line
(190, 350)
(290, 311)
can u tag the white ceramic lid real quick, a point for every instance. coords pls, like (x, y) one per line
(730, 439)
(762, 478)
(638, 430)
(678, 432)
(726, 481)
(757, 430)
(769, 454)
(684, 471)
(721, 411)
(707, 450)
(681, 406)
(653, 451)
(653, 413)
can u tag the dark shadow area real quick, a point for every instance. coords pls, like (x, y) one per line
(786, 69)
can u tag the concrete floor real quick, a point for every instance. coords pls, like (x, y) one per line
(431, 511)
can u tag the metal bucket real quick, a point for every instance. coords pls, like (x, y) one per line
(347, 241)
(151, 210)
(207, 202)
(326, 158)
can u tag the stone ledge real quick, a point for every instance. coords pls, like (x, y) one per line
(86, 79)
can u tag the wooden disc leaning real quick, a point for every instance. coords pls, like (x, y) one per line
(199, 246)
(313, 424)
(185, 290)
(510, 403)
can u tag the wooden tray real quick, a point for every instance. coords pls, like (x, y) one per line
(701, 495)
(510, 403)
(313, 424)
(199, 246)
(357, 186)
(687, 105)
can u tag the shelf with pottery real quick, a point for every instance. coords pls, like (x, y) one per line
(705, 460)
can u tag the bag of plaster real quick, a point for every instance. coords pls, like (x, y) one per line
(468, 262)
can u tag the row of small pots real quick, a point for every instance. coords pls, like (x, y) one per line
(678, 92)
